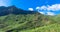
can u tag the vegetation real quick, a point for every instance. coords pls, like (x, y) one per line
(49, 28)
(28, 22)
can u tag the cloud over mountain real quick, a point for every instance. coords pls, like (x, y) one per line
(46, 9)
(50, 13)
(55, 7)
(31, 9)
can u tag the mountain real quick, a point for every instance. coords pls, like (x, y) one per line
(13, 19)
(13, 10)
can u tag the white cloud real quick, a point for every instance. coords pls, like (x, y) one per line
(50, 13)
(5, 3)
(31, 9)
(55, 7)
(42, 12)
(37, 7)
(2, 3)
(47, 9)
(43, 8)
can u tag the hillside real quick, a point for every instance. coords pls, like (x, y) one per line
(14, 19)
(49, 28)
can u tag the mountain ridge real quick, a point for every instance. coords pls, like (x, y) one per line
(14, 10)
(14, 19)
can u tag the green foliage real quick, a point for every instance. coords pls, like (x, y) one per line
(29, 22)
(49, 28)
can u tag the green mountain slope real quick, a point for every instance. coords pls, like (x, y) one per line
(13, 19)
(49, 28)
(16, 23)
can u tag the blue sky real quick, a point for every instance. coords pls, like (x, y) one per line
(48, 5)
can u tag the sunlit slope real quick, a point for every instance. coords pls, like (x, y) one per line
(22, 21)
(49, 28)
(29, 22)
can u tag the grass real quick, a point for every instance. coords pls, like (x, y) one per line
(29, 23)
(12, 26)
(49, 28)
